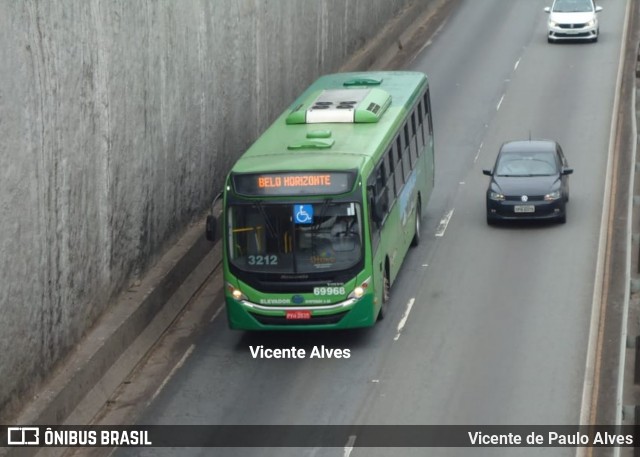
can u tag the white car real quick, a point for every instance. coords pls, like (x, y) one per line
(573, 20)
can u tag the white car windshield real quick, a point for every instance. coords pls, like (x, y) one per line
(572, 6)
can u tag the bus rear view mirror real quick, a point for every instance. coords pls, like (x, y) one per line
(210, 230)
(380, 208)
(377, 213)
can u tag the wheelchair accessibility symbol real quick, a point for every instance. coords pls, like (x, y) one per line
(303, 214)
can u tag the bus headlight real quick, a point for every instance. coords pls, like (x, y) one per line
(235, 292)
(359, 291)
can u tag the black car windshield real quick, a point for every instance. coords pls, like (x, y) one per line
(526, 164)
(288, 238)
(572, 6)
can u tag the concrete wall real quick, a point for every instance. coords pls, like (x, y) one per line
(118, 121)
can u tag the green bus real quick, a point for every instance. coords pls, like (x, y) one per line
(319, 213)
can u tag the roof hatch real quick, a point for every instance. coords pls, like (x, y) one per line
(363, 81)
(316, 139)
(342, 105)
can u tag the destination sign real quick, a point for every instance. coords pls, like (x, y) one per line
(293, 183)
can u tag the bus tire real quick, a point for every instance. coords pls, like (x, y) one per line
(416, 235)
(386, 293)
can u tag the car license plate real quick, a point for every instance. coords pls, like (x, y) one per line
(524, 208)
(298, 315)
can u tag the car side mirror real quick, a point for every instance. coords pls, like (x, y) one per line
(547, 9)
(598, 9)
(211, 228)
(487, 172)
(567, 171)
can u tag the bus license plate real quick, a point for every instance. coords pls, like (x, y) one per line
(298, 315)
(524, 208)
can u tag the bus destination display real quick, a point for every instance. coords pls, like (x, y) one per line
(316, 183)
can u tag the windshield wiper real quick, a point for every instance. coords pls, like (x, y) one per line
(323, 209)
(312, 232)
(267, 220)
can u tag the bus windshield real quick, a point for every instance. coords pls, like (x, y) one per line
(295, 239)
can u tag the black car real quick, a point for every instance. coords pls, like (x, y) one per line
(528, 181)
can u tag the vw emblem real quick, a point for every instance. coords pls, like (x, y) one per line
(297, 299)
(524, 198)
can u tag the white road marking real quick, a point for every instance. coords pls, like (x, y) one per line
(429, 41)
(425, 264)
(173, 371)
(216, 313)
(499, 103)
(478, 153)
(515, 67)
(424, 46)
(349, 446)
(442, 227)
(405, 316)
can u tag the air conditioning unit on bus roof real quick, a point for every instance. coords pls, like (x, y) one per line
(342, 106)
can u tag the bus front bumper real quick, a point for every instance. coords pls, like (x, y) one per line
(350, 313)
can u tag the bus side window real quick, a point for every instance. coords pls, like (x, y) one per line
(379, 179)
(388, 157)
(427, 112)
(374, 225)
(397, 158)
(406, 159)
(421, 125)
(416, 145)
(389, 180)
(379, 192)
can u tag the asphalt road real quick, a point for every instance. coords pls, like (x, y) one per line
(499, 322)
